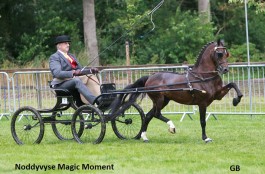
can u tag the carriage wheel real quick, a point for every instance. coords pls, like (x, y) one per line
(61, 125)
(90, 121)
(27, 126)
(128, 125)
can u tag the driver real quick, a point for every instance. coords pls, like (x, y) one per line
(65, 68)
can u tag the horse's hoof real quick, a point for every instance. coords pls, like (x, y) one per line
(235, 101)
(146, 141)
(208, 140)
(172, 130)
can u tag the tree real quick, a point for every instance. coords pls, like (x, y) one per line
(29, 28)
(90, 36)
(229, 18)
(15, 20)
(204, 10)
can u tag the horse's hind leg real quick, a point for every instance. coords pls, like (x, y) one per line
(147, 119)
(159, 104)
(203, 124)
(158, 115)
(172, 128)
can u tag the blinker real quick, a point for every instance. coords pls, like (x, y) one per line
(219, 55)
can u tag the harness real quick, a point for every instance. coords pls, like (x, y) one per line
(219, 54)
(201, 79)
(188, 82)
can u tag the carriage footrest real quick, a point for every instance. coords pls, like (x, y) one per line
(104, 104)
(106, 100)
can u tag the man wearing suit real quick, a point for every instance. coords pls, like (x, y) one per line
(65, 68)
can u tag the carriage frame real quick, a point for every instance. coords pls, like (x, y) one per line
(86, 125)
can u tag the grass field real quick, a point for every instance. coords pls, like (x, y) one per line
(237, 140)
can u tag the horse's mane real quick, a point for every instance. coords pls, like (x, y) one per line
(201, 53)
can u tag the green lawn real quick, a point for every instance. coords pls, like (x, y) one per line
(237, 140)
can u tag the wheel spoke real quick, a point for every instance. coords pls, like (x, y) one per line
(27, 126)
(128, 125)
(62, 124)
(88, 127)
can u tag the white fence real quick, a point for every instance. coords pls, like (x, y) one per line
(251, 82)
(5, 99)
(31, 88)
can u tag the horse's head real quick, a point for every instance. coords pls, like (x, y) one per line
(220, 56)
(213, 57)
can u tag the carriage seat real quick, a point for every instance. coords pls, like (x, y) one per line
(72, 95)
(62, 92)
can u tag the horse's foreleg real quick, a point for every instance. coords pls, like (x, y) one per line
(225, 90)
(239, 94)
(202, 110)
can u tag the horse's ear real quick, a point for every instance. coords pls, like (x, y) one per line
(218, 42)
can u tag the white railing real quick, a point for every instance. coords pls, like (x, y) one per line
(31, 88)
(252, 88)
(5, 108)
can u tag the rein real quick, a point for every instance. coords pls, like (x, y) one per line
(201, 78)
(173, 84)
(93, 79)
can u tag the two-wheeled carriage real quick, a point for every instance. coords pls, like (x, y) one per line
(86, 124)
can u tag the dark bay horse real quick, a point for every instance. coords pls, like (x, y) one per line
(201, 84)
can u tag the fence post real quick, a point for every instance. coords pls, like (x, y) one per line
(127, 47)
(38, 89)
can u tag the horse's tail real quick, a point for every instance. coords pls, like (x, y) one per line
(120, 103)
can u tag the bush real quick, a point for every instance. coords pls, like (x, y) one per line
(239, 53)
(179, 42)
(41, 45)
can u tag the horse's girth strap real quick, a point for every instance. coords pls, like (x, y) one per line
(188, 81)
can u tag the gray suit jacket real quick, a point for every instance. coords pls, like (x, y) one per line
(61, 68)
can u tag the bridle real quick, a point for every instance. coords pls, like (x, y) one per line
(218, 55)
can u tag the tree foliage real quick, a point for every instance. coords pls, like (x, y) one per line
(172, 39)
(28, 29)
(259, 5)
(230, 21)
(29, 35)
(239, 53)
